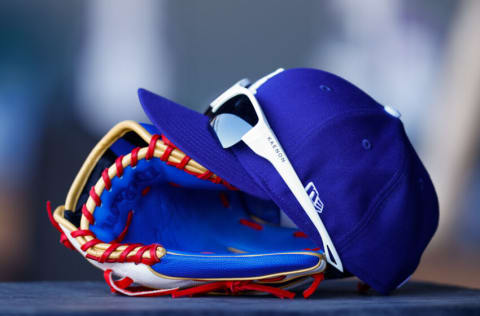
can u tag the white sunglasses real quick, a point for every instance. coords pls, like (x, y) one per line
(237, 116)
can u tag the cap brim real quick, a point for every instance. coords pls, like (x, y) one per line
(190, 131)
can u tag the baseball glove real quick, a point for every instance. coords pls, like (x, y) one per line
(157, 223)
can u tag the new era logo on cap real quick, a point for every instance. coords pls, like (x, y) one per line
(314, 196)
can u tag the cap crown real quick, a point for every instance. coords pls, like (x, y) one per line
(374, 195)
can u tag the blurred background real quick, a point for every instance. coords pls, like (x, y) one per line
(69, 71)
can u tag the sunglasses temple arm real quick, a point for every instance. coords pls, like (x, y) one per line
(264, 143)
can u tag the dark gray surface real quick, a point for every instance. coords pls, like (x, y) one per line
(332, 298)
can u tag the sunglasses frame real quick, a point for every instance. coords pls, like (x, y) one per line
(262, 140)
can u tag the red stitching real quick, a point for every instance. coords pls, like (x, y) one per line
(300, 234)
(145, 191)
(192, 173)
(50, 217)
(95, 196)
(205, 175)
(317, 279)
(87, 214)
(118, 164)
(105, 255)
(124, 254)
(138, 256)
(82, 233)
(108, 252)
(153, 253)
(251, 224)
(92, 257)
(227, 185)
(167, 141)
(166, 153)
(106, 179)
(63, 239)
(123, 283)
(125, 229)
(233, 287)
(134, 156)
(224, 199)
(151, 146)
(90, 244)
(183, 163)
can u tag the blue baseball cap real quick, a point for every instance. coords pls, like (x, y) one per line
(378, 201)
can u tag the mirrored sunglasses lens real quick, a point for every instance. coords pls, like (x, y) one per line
(229, 128)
